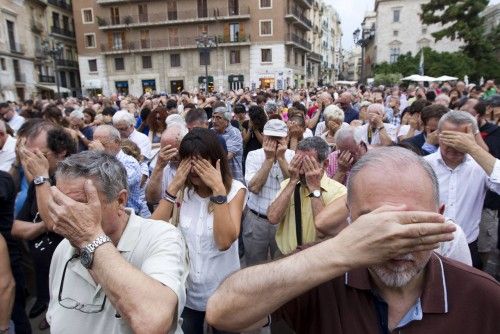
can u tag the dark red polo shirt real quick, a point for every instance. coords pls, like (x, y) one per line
(456, 299)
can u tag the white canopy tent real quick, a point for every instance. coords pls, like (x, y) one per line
(446, 78)
(419, 78)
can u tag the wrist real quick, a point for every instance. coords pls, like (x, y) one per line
(219, 190)
(90, 238)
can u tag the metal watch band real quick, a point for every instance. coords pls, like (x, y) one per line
(97, 242)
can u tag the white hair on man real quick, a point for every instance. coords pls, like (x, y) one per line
(332, 112)
(175, 119)
(77, 113)
(346, 133)
(123, 116)
(376, 108)
(225, 113)
(443, 99)
(458, 118)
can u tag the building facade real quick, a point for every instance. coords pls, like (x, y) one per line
(133, 47)
(399, 30)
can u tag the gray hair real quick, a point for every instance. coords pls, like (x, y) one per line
(392, 158)
(317, 144)
(111, 131)
(109, 174)
(458, 118)
(349, 132)
(3, 128)
(77, 113)
(443, 97)
(376, 107)
(123, 116)
(333, 112)
(225, 113)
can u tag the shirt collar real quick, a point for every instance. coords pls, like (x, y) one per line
(323, 184)
(130, 235)
(440, 159)
(434, 296)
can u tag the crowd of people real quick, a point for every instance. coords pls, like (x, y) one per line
(324, 210)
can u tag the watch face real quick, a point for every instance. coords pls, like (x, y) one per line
(316, 193)
(86, 258)
(38, 180)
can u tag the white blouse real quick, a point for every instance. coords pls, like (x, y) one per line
(208, 266)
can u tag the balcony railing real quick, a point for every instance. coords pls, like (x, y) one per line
(173, 17)
(308, 3)
(296, 39)
(67, 63)
(295, 12)
(234, 39)
(17, 48)
(62, 31)
(61, 4)
(46, 78)
(316, 57)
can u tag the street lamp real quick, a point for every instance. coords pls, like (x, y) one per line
(205, 43)
(54, 51)
(362, 41)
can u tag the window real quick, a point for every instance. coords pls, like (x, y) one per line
(396, 13)
(62, 79)
(147, 62)
(173, 36)
(11, 34)
(119, 64)
(115, 15)
(234, 32)
(65, 21)
(296, 58)
(118, 40)
(92, 65)
(90, 40)
(2, 64)
(205, 58)
(172, 9)
(233, 7)
(303, 60)
(266, 27)
(55, 20)
(87, 16)
(395, 33)
(145, 41)
(202, 8)
(202, 29)
(175, 60)
(266, 55)
(143, 12)
(234, 57)
(72, 81)
(394, 54)
(265, 4)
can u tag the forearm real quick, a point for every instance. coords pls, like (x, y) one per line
(259, 136)
(148, 306)
(340, 176)
(42, 195)
(480, 142)
(278, 207)
(226, 227)
(317, 206)
(314, 121)
(246, 136)
(294, 142)
(483, 158)
(26, 230)
(163, 211)
(385, 140)
(153, 188)
(284, 167)
(251, 294)
(230, 155)
(333, 218)
(260, 178)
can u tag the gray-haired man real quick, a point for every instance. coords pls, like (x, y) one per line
(115, 272)
(265, 169)
(221, 119)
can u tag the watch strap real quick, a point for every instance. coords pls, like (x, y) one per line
(97, 242)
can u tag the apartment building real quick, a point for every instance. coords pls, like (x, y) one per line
(133, 47)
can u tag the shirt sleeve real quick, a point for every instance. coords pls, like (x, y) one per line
(429, 148)
(456, 249)
(494, 179)
(235, 142)
(252, 165)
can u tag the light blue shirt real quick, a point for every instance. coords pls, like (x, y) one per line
(136, 196)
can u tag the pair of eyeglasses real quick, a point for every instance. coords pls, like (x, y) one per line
(73, 304)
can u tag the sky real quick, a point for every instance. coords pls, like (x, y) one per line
(352, 12)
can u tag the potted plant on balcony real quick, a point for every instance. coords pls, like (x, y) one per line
(101, 21)
(128, 20)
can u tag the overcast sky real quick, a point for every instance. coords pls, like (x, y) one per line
(352, 12)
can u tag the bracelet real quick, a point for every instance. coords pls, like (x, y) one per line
(382, 127)
(170, 195)
(268, 321)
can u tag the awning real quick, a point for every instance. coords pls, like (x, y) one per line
(92, 84)
(54, 88)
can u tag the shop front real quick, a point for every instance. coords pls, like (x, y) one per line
(236, 82)
(202, 80)
(121, 87)
(176, 86)
(148, 86)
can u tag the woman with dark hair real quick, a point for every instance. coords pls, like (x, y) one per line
(156, 124)
(207, 204)
(252, 131)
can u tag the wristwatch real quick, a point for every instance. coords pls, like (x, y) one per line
(221, 199)
(40, 180)
(315, 193)
(87, 252)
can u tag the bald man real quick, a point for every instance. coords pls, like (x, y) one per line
(166, 165)
(345, 103)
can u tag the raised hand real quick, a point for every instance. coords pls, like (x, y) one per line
(180, 176)
(345, 161)
(78, 222)
(166, 154)
(433, 138)
(294, 168)
(211, 176)
(269, 147)
(460, 141)
(281, 148)
(34, 163)
(313, 172)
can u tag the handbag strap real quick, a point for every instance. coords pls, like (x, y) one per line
(298, 214)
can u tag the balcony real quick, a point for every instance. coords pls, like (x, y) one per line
(238, 40)
(297, 15)
(17, 48)
(63, 32)
(19, 77)
(316, 57)
(172, 18)
(61, 4)
(67, 63)
(307, 3)
(46, 78)
(296, 40)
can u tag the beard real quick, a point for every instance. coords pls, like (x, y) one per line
(399, 275)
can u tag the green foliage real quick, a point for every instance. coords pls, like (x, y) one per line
(461, 20)
(387, 79)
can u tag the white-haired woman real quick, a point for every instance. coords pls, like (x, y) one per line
(334, 118)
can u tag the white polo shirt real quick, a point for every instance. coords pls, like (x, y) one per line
(154, 247)
(142, 142)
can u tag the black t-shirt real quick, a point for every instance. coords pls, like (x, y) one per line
(7, 201)
(252, 144)
(491, 134)
(29, 213)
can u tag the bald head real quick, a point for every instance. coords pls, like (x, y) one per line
(173, 135)
(109, 137)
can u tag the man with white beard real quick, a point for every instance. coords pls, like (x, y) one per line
(378, 275)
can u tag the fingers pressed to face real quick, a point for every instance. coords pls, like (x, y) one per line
(59, 198)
